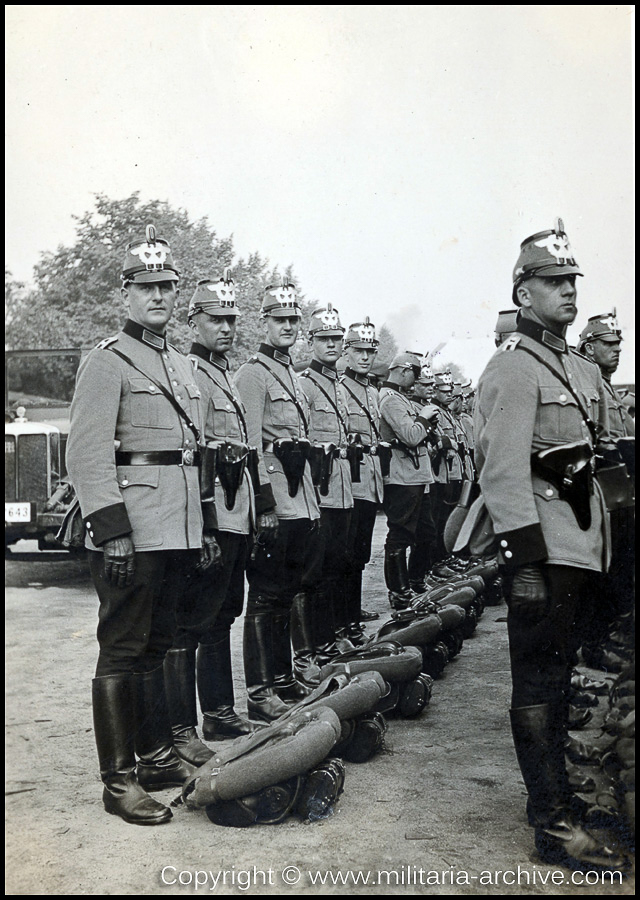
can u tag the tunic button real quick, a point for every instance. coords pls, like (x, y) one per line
(152, 387)
(170, 369)
(508, 554)
(178, 397)
(271, 468)
(504, 544)
(175, 383)
(563, 397)
(549, 492)
(228, 406)
(125, 481)
(88, 525)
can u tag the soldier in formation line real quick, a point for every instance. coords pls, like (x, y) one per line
(294, 469)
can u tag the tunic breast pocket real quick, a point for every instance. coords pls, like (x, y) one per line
(282, 410)
(323, 420)
(591, 400)
(149, 409)
(222, 418)
(559, 418)
(359, 423)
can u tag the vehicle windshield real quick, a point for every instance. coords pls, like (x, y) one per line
(42, 378)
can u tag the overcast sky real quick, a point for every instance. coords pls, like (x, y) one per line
(395, 155)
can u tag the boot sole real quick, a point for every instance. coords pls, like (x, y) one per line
(159, 820)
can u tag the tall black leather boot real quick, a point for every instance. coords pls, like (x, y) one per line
(285, 685)
(159, 766)
(396, 577)
(305, 668)
(263, 703)
(114, 724)
(326, 613)
(215, 689)
(560, 839)
(180, 685)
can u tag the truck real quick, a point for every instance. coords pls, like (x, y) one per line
(39, 387)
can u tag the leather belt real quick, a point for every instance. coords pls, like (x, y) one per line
(184, 457)
(370, 450)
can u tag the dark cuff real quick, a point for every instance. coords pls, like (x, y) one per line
(209, 516)
(522, 546)
(446, 442)
(108, 523)
(265, 501)
(426, 424)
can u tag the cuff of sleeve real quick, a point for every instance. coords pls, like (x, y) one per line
(522, 546)
(209, 517)
(107, 523)
(426, 424)
(445, 440)
(265, 501)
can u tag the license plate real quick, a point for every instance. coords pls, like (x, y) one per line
(17, 512)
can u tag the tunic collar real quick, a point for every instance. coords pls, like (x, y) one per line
(142, 334)
(357, 376)
(327, 371)
(540, 334)
(209, 356)
(277, 355)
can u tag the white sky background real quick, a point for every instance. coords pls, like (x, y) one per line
(396, 156)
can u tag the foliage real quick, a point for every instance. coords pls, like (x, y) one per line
(76, 298)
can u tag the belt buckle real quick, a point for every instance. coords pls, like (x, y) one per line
(188, 456)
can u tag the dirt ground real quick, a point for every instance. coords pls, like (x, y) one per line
(440, 812)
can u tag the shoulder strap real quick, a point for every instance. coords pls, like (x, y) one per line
(364, 409)
(341, 420)
(172, 400)
(259, 362)
(567, 385)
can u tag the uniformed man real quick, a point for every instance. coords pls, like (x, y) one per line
(601, 341)
(506, 325)
(421, 554)
(538, 422)
(361, 347)
(446, 460)
(215, 598)
(133, 459)
(410, 470)
(286, 559)
(464, 431)
(328, 432)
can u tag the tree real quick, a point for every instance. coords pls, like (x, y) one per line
(76, 298)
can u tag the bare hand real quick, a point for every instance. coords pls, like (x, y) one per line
(119, 561)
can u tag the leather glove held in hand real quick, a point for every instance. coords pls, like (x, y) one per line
(210, 554)
(528, 596)
(119, 561)
(266, 532)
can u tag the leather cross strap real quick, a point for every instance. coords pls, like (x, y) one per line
(230, 397)
(566, 384)
(362, 407)
(172, 400)
(341, 420)
(288, 390)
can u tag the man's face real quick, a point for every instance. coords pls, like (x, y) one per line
(407, 377)
(282, 331)
(360, 359)
(443, 394)
(456, 405)
(468, 404)
(551, 301)
(605, 353)
(422, 391)
(151, 304)
(326, 349)
(216, 333)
